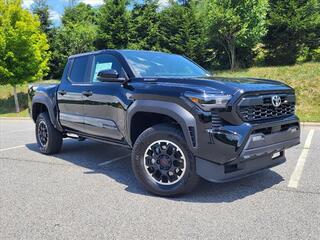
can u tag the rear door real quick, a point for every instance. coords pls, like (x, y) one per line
(105, 109)
(71, 93)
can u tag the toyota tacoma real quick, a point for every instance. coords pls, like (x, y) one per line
(180, 122)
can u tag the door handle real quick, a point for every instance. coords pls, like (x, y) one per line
(62, 92)
(87, 93)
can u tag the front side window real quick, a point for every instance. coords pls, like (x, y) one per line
(158, 64)
(105, 62)
(78, 70)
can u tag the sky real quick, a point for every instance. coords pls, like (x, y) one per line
(57, 7)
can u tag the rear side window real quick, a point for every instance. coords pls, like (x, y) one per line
(79, 70)
(66, 70)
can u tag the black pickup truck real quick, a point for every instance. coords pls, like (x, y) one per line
(180, 122)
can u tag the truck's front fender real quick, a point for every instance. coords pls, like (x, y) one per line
(50, 104)
(183, 117)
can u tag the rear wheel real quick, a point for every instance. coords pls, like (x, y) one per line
(162, 161)
(49, 139)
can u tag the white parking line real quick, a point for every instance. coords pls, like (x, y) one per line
(11, 148)
(296, 175)
(114, 160)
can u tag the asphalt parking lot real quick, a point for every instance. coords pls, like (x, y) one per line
(88, 191)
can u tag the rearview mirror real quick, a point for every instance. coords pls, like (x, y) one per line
(108, 75)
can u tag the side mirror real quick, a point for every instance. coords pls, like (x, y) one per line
(110, 75)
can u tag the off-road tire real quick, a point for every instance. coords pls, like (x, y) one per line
(163, 132)
(54, 137)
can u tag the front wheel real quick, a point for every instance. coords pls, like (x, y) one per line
(49, 139)
(162, 161)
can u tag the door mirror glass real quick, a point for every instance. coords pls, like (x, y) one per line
(108, 75)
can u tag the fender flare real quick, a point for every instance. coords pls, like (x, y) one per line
(183, 117)
(42, 99)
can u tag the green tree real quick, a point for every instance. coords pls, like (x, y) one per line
(236, 24)
(113, 25)
(293, 24)
(41, 9)
(182, 32)
(145, 26)
(70, 39)
(80, 13)
(77, 34)
(23, 47)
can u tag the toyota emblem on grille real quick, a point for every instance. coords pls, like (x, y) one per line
(276, 100)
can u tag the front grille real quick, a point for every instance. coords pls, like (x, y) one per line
(251, 113)
(255, 108)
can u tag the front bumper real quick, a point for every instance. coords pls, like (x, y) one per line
(217, 173)
(248, 151)
(239, 169)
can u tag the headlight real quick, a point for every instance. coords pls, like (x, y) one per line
(208, 101)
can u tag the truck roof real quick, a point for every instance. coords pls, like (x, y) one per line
(110, 50)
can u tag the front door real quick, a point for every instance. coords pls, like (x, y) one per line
(105, 109)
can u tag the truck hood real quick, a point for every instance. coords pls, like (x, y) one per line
(228, 86)
(249, 84)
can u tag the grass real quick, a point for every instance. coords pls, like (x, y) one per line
(7, 107)
(23, 113)
(304, 78)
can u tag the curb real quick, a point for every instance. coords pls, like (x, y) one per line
(310, 124)
(15, 118)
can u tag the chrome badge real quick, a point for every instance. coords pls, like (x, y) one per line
(276, 100)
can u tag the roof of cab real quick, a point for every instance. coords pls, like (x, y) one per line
(110, 50)
(92, 53)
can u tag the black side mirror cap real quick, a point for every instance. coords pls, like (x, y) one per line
(110, 75)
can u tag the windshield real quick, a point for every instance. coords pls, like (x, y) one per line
(155, 64)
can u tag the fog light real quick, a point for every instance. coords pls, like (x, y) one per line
(275, 155)
(257, 138)
(292, 130)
